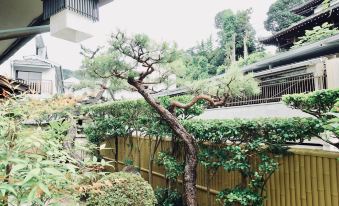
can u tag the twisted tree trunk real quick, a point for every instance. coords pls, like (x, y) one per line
(180, 131)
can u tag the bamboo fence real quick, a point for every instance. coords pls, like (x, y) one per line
(307, 177)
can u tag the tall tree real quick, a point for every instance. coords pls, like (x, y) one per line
(236, 26)
(137, 59)
(202, 61)
(279, 15)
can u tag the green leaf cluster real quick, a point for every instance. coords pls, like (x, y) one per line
(121, 189)
(323, 104)
(316, 34)
(279, 15)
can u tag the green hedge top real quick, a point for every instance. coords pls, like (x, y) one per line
(135, 108)
(316, 103)
(271, 131)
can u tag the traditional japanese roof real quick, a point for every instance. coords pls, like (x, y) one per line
(298, 29)
(34, 61)
(306, 8)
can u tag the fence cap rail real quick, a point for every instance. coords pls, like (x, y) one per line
(315, 152)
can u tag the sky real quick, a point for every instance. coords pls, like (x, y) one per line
(185, 22)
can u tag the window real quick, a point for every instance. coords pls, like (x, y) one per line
(29, 76)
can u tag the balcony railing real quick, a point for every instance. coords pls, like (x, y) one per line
(272, 90)
(38, 86)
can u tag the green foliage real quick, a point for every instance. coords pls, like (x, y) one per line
(167, 197)
(333, 123)
(35, 167)
(228, 24)
(228, 144)
(172, 166)
(122, 118)
(270, 131)
(232, 197)
(326, 4)
(32, 166)
(203, 60)
(279, 15)
(234, 144)
(316, 34)
(252, 58)
(229, 85)
(121, 189)
(317, 103)
(322, 104)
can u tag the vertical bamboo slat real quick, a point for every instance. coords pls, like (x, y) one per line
(277, 187)
(314, 182)
(334, 182)
(292, 180)
(287, 181)
(308, 180)
(320, 179)
(282, 181)
(297, 179)
(327, 183)
(304, 178)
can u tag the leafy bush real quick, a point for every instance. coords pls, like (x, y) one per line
(322, 104)
(167, 197)
(317, 103)
(316, 34)
(239, 196)
(121, 189)
(172, 166)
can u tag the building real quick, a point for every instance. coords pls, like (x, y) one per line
(43, 76)
(315, 12)
(21, 20)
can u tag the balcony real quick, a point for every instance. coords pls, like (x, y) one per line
(38, 86)
(272, 90)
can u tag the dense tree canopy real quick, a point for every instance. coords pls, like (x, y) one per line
(229, 24)
(208, 58)
(279, 15)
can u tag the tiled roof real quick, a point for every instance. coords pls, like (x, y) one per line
(306, 5)
(333, 10)
(31, 62)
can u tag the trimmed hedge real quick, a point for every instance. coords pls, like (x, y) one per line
(121, 189)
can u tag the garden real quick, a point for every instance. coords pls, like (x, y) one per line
(133, 143)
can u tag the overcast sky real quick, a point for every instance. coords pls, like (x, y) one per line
(182, 21)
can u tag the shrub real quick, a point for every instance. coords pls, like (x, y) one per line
(121, 189)
(167, 197)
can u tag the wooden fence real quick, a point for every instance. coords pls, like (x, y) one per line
(305, 178)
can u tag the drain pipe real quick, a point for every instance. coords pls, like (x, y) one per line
(22, 32)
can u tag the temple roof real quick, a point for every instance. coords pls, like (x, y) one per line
(306, 8)
(304, 24)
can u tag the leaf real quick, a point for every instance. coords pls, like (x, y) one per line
(52, 171)
(9, 188)
(44, 188)
(95, 159)
(32, 194)
(18, 167)
(33, 173)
